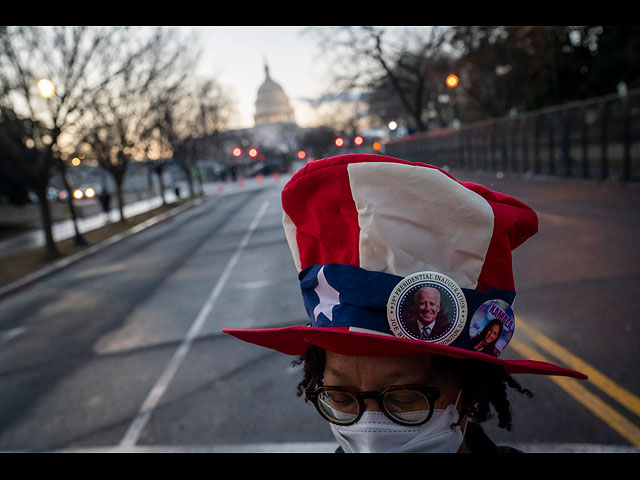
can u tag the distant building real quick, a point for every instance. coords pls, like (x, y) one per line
(274, 135)
(275, 128)
(272, 104)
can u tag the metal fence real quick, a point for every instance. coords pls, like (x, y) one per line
(597, 138)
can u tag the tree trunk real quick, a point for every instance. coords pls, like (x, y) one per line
(187, 173)
(78, 238)
(161, 179)
(119, 194)
(45, 216)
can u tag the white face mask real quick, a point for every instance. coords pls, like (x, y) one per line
(375, 433)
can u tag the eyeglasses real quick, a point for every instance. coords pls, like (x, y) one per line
(409, 405)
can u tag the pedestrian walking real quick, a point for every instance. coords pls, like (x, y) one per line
(105, 201)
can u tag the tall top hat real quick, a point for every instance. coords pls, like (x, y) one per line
(400, 259)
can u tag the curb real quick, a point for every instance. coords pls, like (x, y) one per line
(66, 262)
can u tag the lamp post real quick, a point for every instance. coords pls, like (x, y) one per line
(392, 126)
(452, 82)
(47, 90)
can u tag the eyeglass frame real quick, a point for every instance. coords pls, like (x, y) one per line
(431, 394)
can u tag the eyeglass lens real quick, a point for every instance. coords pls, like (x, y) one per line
(406, 406)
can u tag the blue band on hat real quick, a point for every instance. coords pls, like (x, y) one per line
(337, 295)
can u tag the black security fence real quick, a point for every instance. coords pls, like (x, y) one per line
(598, 139)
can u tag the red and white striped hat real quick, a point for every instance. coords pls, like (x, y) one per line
(369, 234)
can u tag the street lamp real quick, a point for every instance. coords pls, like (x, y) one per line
(392, 126)
(46, 88)
(452, 81)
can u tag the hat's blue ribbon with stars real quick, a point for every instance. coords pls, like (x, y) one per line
(337, 295)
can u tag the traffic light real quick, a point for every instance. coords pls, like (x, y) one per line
(339, 142)
(358, 140)
(236, 152)
(253, 152)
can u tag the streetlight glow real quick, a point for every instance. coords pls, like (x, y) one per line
(46, 88)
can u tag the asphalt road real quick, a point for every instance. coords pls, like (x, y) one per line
(123, 350)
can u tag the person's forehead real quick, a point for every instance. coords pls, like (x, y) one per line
(379, 371)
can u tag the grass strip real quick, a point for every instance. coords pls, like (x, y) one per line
(20, 265)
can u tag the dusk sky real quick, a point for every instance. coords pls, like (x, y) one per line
(236, 55)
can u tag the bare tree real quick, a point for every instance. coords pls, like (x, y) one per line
(126, 114)
(191, 123)
(24, 161)
(410, 63)
(65, 60)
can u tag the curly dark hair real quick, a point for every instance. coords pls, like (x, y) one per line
(483, 384)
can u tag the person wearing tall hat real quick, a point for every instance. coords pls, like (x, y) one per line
(365, 233)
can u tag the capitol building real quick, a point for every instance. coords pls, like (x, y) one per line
(275, 129)
(275, 134)
(272, 104)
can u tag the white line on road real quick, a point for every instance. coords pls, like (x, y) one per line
(329, 447)
(135, 429)
(7, 335)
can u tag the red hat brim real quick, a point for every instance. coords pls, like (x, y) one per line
(296, 340)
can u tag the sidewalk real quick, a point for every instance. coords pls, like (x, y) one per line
(64, 229)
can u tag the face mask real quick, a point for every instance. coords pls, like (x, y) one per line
(375, 433)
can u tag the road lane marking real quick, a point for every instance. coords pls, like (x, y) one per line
(153, 398)
(604, 383)
(7, 335)
(573, 387)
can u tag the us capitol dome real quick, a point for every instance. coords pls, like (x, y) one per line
(275, 134)
(272, 104)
